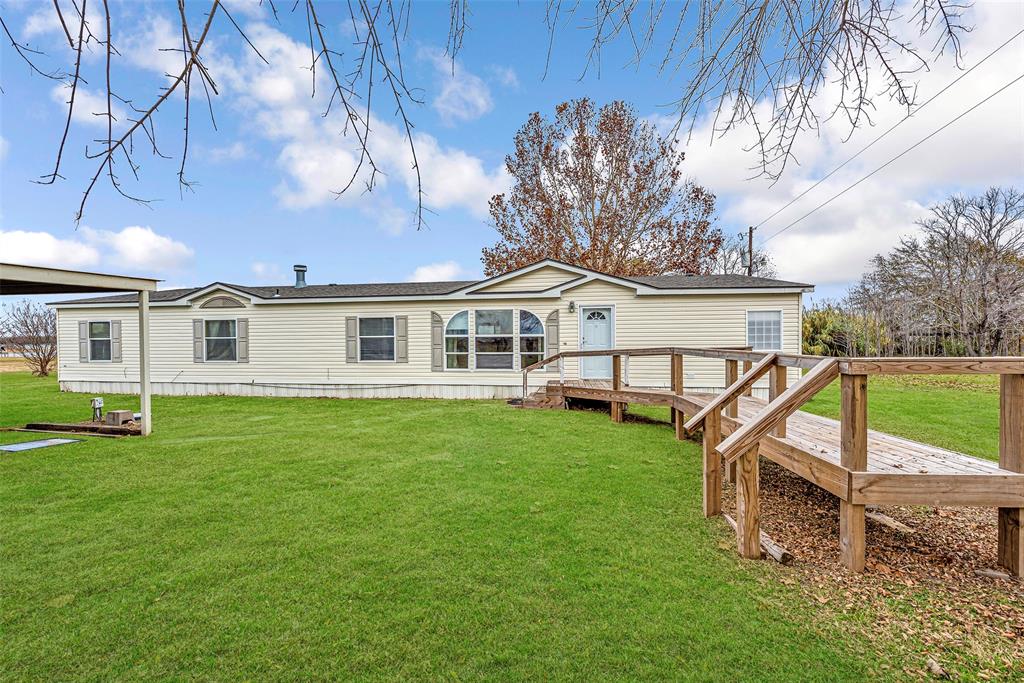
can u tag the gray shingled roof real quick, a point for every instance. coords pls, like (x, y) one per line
(427, 289)
(713, 282)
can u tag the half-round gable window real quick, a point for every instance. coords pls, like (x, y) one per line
(222, 302)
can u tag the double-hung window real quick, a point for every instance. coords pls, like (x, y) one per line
(456, 342)
(764, 330)
(495, 340)
(531, 339)
(377, 339)
(221, 340)
(99, 341)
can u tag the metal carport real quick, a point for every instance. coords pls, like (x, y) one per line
(19, 280)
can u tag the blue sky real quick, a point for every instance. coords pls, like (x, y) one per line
(263, 201)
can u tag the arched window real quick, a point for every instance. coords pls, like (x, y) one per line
(531, 339)
(456, 342)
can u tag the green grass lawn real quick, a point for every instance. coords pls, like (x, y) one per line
(254, 538)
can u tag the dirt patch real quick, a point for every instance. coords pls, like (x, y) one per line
(920, 593)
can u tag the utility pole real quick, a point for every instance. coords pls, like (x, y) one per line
(750, 251)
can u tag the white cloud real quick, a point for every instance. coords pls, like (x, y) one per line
(156, 46)
(506, 76)
(43, 249)
(438, 272)
(462, 96)
(4, 146)
(134, 248)
(45, 21)
(835, 243)
(139, 248)
(90, 107)
(316, 158)
(236, 151)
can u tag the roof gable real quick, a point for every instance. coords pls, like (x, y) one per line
(530, 279)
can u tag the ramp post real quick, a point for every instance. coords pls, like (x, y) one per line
(732, 410)
(854, 457)
(1011, 457)
(712, 464)
(748, 505)
(677, 388)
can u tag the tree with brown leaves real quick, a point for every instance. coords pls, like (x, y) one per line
(600, 188)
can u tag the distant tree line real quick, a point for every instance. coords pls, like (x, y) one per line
(954, 289)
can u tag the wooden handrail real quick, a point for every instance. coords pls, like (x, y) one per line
(733, 392)
(789, 360)
(992, 365)
(787, 403)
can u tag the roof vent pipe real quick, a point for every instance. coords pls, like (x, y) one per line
(300, 276)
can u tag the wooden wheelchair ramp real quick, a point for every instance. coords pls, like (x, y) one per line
(858, 465)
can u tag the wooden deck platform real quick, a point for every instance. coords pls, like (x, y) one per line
(812, 448)
(858, 465)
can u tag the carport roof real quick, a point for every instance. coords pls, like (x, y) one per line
(20, 280)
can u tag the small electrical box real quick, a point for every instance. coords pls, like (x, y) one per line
(119, 417)
(97, 409)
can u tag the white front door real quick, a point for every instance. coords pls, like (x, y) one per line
(597, 334)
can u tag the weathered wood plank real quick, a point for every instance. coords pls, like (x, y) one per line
(854, 457)
(748, 505)
(778, 381)
(712, 465)
(632, 395)
(618, 409)
(770, 547)
(732, 391)
(785, 405)
(677, 382)
(1011, 458)
(932, 366)
(731, 409)
(747, 365)
(987, 490)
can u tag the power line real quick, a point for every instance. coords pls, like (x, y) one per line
(898, 156)
(891, 129)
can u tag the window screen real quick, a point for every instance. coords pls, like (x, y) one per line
(764, 330)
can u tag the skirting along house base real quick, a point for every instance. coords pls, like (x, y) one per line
(466, 339)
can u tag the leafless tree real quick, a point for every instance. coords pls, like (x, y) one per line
(378, 28)
(958, 286)
(30, 330)
(780, 53)
(745, 57)
(732, 258)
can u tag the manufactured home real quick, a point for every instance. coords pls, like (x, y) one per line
(465, 339)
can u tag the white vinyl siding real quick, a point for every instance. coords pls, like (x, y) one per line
(299, 348)
(534, 281)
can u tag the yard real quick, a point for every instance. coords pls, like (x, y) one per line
(302, 538)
